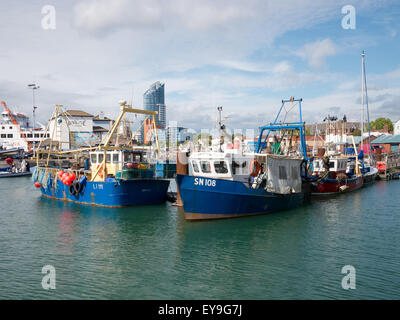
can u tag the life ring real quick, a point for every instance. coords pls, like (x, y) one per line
(255, 168)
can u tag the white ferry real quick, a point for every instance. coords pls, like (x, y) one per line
(17, 133)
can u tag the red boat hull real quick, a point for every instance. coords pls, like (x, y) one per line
(334, 186)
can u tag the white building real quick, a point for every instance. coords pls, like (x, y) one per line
(396, 128)
(74, 128)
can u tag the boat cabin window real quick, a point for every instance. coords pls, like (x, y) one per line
(237, 165)
(282, 173)
(132, 157)
(108, 157)
(295, 173)
(331, 164)
(195, 166)
(93, 158)
(115, 157)
(205, 166)
(101, 157)
(220, 167)
(128, 157)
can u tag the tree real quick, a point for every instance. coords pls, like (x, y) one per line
(380, 123)
(356, 132)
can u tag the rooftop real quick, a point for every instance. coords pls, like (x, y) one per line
(387, 139)
(103, 118)
(78, 113)
(99, 129)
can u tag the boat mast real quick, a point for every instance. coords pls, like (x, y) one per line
(221, 127)
(366, 103)
(362, 101)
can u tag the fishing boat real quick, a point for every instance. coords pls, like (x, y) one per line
(12, 170)
(232, 182)
(108, 175)
(333, 175)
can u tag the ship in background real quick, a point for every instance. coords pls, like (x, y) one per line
(16, 132)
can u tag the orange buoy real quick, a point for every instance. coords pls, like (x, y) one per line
(255, 168)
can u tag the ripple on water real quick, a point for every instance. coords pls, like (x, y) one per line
(152, 252)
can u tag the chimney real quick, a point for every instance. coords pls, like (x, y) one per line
(386, 128)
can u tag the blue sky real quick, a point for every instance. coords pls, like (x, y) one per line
(243, 55)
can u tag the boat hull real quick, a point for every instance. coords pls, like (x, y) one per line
(334, 186)
(15, 175)
(205, 198)
(369, 174)
(117, 193)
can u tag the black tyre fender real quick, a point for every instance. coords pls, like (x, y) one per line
(78, 187)
(72, 189)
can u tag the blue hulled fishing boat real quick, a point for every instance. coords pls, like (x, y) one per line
(232, 182)
(110, 174)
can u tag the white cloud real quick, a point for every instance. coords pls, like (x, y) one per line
(315, 53)
(102, 50)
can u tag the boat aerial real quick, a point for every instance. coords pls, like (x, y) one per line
(229, 181)
(111, 174)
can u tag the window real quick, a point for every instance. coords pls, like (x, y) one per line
(295, 173)
(115, 157)
(331, 164)
(220, 167)
(11, 127)
(10, 135)
(3, 128)
(282, 173)
(205, 166)
(48, 135)
(101, 157)
(195, 166)
(108, 157)
(3, 135)
(36, 135)
(93, 158)
(29, 135)
(127, 157)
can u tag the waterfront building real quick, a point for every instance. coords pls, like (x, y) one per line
(72, 128)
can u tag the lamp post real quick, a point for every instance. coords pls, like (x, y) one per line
(34, 87)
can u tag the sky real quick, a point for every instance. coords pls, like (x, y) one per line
(243, 55)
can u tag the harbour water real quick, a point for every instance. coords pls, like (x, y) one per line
(152, 252)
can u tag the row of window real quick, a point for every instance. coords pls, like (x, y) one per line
(204, 166)
(115, 157)
(29, 135)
